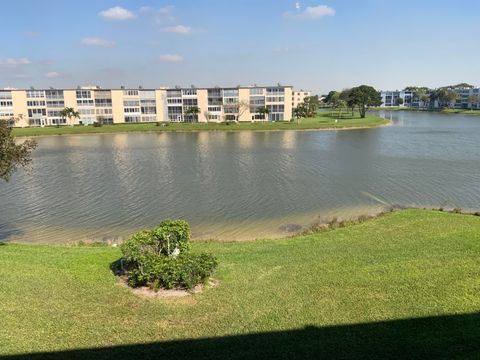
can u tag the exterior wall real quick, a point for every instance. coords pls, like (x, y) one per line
(161, 99)
(288, 112)
(19, 98)
(244, 99)
(202, 97)
(117, 106)
(298, 97)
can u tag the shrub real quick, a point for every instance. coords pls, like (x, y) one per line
(97, 124)
(161, 258)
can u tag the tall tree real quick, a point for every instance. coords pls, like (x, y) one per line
(13, 155)
(346, 95)
(311, 105)
(399, 101)
(364, 97)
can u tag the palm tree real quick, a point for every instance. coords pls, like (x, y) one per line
(263, 111)
(192, 112)
(69, 113)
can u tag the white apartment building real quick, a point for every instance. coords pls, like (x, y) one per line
(42, 107)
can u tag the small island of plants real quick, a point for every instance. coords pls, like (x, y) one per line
(161, 258)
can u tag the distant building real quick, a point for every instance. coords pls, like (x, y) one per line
(390, 99)
(41, 107)
(299, 96)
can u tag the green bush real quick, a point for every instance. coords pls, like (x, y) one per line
(161, 258)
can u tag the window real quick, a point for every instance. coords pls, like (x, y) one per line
(189, 92)
(6, 112)
(53, 113)
(215, 108)
(36, 103)
(86, 111)
(84, 94)
(85, 102)
(149, 110)
(54, 94)
(275, 91)
(230, 92)
(131, 103)
(276, 108)
(132, 119)
(37, 112)
(131, 110)
(6, 103)
(148, 102)
(104, 111)
(215, 100)
(276, 99)
(147, 94)
(174, 93)
(214, 92)
(174, 101)
(256, 91)
(130, 92)
(103, 102)
(257, 100)
(230, 100)
(190, 102)
(35, 93)
(5, 95)
(56, 104)
(149, 118)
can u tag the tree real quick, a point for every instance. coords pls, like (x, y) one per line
(69, 113)
(340, 105)
(299, 112)
(192, 112)
(330, 97)
(364, 97)
(263, 111)
(243, 106)
(425, 99)
(13, 155)
(399, 101)
(447, 97)
(311, 105)
(472, 100)
(346, 95)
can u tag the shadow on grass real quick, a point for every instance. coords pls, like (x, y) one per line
(444, 337)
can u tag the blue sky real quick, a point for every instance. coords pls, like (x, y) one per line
(312, 44)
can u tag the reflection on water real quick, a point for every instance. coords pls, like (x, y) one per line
(239, 185)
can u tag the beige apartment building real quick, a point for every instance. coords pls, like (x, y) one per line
(298, 97)
(41, 107)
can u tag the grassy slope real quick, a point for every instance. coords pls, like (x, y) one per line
(322, 121)
(403, 265)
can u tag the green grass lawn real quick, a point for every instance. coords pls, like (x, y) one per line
(404, 285)
(323, 121)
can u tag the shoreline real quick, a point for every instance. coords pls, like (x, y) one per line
(313, 228)
(385, 123)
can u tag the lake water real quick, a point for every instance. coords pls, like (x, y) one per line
(239, 185)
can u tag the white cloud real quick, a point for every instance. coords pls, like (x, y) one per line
(178, 29)
(312, 12)
(52, 75)
(14, 61)
(97, 42)
(117, 13)
(165, 15)
(171, 58)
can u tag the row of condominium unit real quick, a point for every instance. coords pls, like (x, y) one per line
(42, 107)
(410, 98)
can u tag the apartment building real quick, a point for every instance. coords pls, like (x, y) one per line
(409, 99)
(298, 97)
(42, 107)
